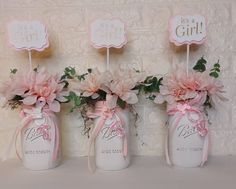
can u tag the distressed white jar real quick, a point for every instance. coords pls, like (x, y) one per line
(38, 143)
(109, 146)
(185, 145)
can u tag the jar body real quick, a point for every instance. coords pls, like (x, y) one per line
(109, 146)
(185, 144)
(39, 140)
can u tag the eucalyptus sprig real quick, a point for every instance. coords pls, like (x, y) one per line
(200, 65)
(149, 86)
(69, 73)
(75, 99)
(214, 72)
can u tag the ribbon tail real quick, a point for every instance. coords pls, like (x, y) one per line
(167, 150)
(57, 138)
(17, 134)
(205, 150)
(91, 169)
(24, 123)
(125, 146)
(94, 134)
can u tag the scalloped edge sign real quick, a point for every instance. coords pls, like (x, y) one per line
(187, 29)
(28, 35)
(108, 33)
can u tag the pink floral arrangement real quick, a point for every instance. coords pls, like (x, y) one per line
(201, 86)
(116, 88)
(178, 86)
(32, 88)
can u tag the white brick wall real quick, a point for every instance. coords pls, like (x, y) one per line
(148, 49)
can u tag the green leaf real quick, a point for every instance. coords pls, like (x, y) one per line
(217, 69)
(13, 71)
(82, 77)
(73, 72)
(214, 74)
(199, 68)
(217, 65)
(152, 97)
(201, 61)
(70, 72)
(207, 102)
(17, 98)
(71, 96)
(72, 109)
(149, 85)
(200, 65)
(77, 101)
(121, 103)
(67, 69)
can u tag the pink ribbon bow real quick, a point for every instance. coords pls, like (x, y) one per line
(29, 115)
(182, 109)
(102, 112)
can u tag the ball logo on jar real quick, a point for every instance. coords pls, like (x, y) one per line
(108, 134)
(34, 133)
(186, 130)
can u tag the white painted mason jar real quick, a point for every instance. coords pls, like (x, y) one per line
(186, 147)
(109, 146)
(40, 141)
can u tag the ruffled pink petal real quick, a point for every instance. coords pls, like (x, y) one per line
(61, 96)
(170, 99)
(130, 98)
(40, 102)
(59, 87)
(189, 94)
(164, 90)
(51, 98)
(30, 100)
(159, 99)
(105, 88)
(95, 95)
(111, 100)
(20, 91)
(54, 106)
(87, 94)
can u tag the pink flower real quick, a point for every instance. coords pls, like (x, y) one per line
(17, 85)
(91, 84)
(122, 84)
(36, 87)
(194, 87)
(215, 90)
(47, 88)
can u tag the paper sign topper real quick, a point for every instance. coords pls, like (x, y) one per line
(108, 33)
(187, 29)
(28, 35)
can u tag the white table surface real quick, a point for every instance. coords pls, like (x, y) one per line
(143, 173)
